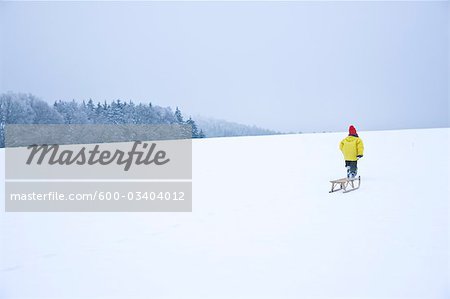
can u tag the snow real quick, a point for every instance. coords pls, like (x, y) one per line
(263, 226)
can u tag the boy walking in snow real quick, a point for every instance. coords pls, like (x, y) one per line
(353, 148)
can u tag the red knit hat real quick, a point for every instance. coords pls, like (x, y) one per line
(352, 130)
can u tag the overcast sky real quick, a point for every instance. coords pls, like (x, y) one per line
(292, 66)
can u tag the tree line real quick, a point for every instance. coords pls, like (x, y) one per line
(19, 108)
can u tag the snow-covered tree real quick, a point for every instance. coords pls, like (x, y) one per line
(178, 116)
(43, 113)
(191, 122)
(72, 112)
(25, 109)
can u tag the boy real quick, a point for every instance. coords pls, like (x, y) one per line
(353, 148)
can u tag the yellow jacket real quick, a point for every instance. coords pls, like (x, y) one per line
(352, 147)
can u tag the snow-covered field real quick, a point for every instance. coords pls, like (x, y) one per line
(263, 226)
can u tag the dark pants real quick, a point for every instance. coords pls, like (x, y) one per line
(352, 168)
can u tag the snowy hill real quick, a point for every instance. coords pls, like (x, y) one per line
(221, 128)
(263, 226)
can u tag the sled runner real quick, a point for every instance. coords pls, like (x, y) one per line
(345, 184)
